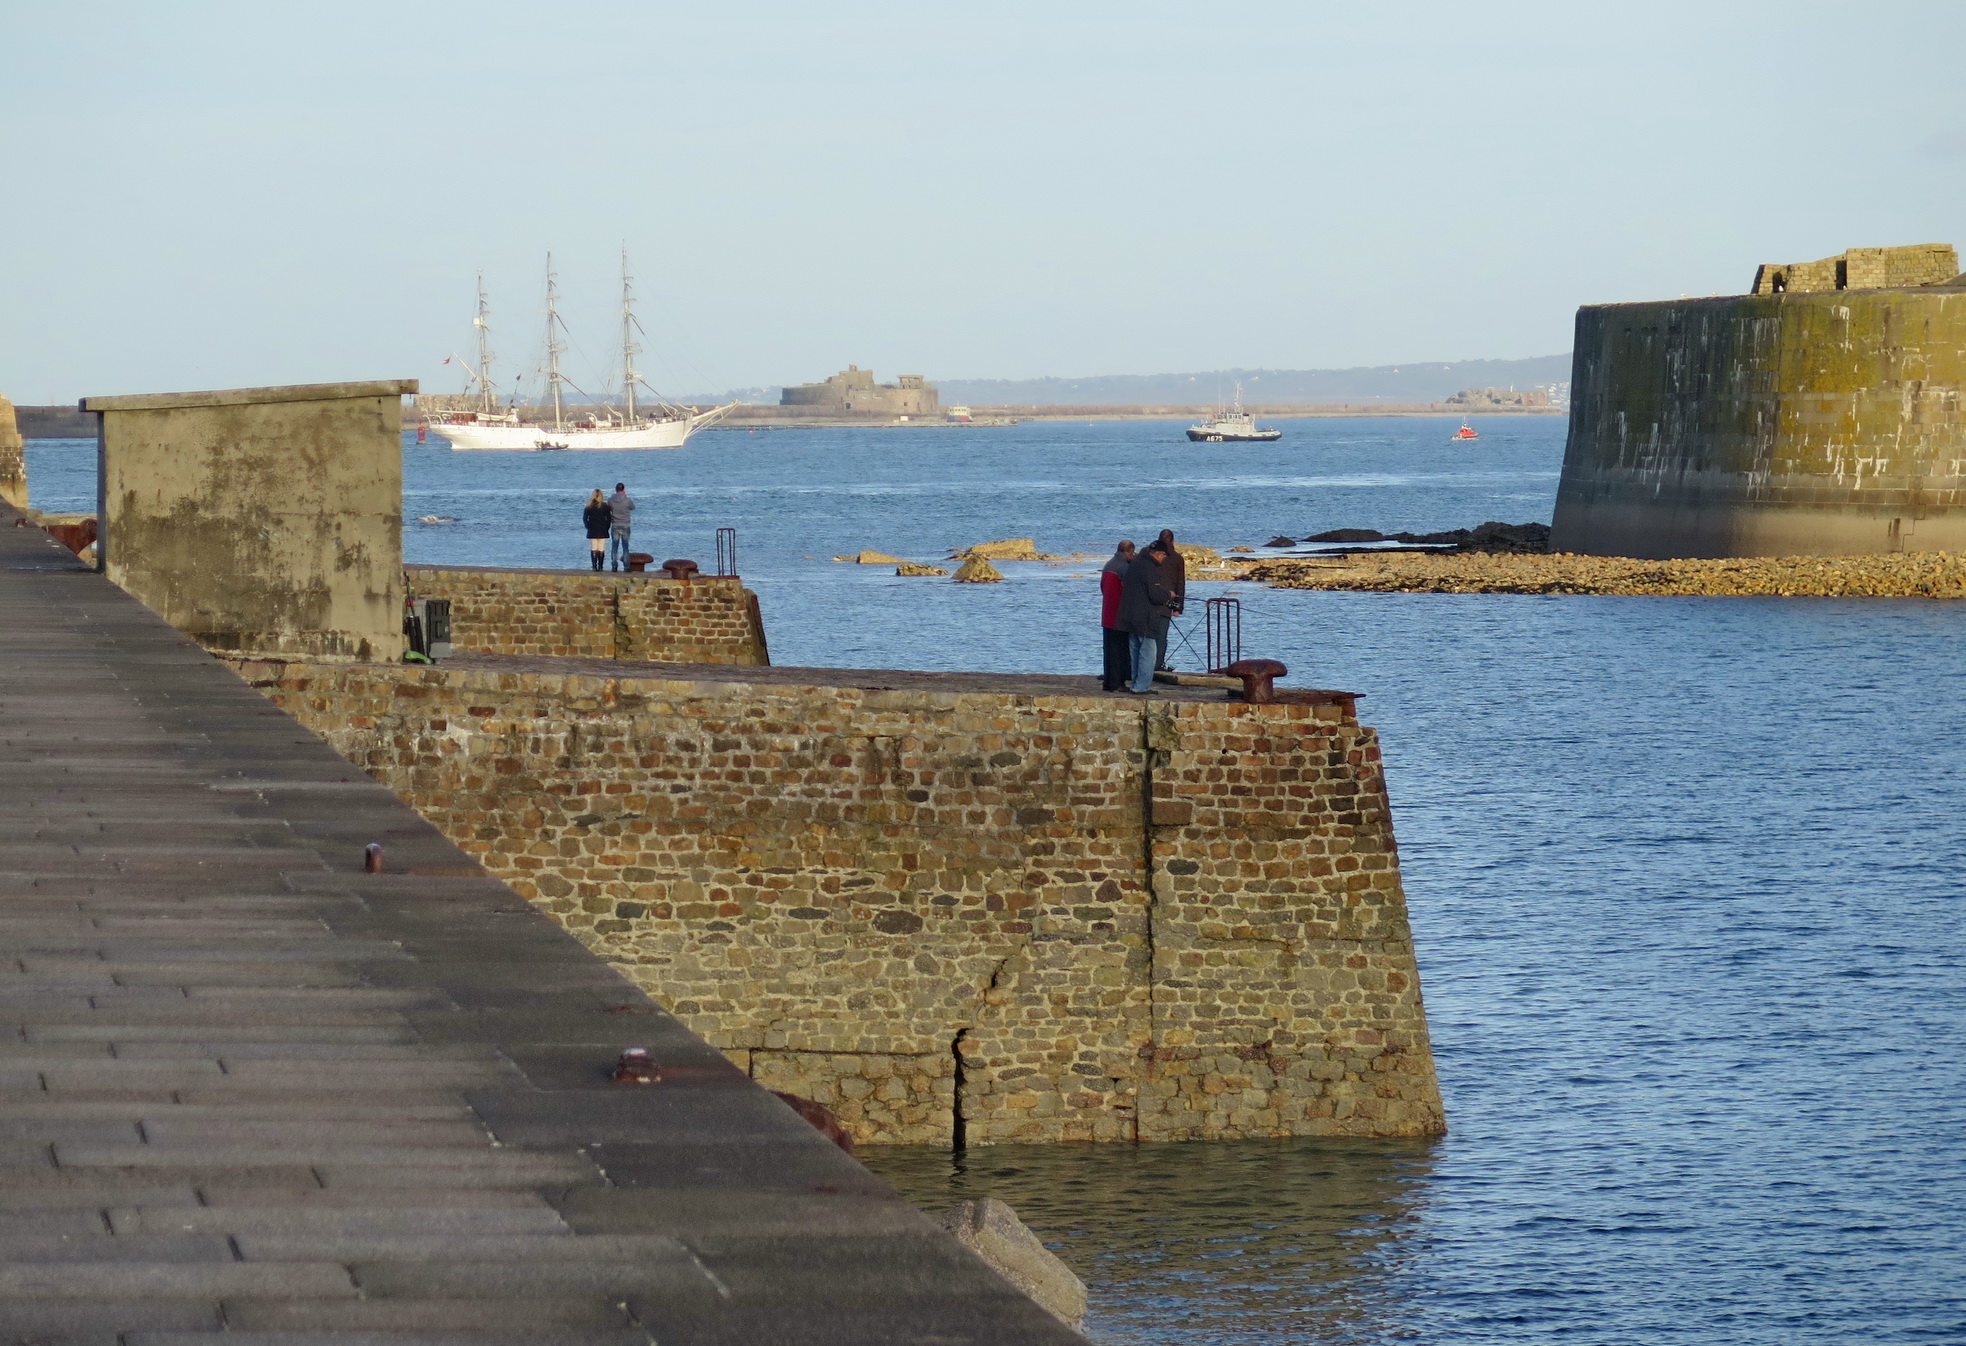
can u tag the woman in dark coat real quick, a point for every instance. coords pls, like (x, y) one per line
(598, 519)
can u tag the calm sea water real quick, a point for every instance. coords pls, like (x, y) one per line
(1685, 876)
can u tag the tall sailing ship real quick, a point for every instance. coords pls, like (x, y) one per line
(634, 425)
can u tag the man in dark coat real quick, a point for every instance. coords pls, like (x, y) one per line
(1174, 574)
(1146, 607)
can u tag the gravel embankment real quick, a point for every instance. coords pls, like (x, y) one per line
(1908, 575)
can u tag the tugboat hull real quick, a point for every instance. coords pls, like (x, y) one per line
(1198, 435)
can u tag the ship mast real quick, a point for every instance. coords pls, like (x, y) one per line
(554, 346)
(486, 401)
(629, 350)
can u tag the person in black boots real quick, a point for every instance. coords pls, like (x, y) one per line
(598, 519)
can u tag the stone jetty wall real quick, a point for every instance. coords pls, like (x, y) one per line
(954, 917)
(597, 614)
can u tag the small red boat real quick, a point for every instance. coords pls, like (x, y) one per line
(1465, 433)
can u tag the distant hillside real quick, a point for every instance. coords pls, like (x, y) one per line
(1270, 387)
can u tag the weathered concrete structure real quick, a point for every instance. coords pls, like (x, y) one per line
(13, 459)
(1804, 420)
(267, 520)
(957, 909)
(853, 390)
(711, 619)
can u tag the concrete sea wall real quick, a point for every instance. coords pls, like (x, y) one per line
(1790, 424)
(261, 520)
(712, 619)
(964, 916)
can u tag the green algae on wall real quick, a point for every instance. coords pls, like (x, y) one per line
(1824, 423)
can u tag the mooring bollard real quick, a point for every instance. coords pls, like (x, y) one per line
(372, 858)
(1258, 679)
(636, 1066)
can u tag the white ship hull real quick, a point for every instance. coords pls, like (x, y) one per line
(654, 435)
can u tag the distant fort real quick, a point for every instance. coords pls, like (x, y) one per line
(1819, 415)
(853, 390)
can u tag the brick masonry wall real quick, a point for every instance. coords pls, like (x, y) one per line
(712, 619)
(953, 917)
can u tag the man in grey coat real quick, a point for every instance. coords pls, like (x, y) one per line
(1146, 607)
(621, 511)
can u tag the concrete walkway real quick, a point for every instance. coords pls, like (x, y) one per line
(247, 1088)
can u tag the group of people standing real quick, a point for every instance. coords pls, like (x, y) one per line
(608, 519)
(1140, 591)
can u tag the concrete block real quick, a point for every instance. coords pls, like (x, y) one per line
(264, 520)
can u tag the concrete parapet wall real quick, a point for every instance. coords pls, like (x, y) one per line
(1799, 424)
(597, 615)
(261, 520)
(951, 916)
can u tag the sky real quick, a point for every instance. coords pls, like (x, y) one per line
(230, 195)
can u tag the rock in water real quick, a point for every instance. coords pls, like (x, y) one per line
(911, 568)
(1009, 549)
(993, 1232)
(1347, 535)
(877, 558)
(1278, 541)
(976, 570)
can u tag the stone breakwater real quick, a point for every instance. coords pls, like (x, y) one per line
(955, 909)
(712, 619)
(1906, 575)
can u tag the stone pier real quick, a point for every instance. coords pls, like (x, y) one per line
(253, 1095)
(959, 909)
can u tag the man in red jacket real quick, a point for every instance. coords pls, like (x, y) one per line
(1119, 659)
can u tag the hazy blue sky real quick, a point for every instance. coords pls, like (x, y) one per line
(210, 195)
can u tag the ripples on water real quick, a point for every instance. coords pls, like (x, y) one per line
(1684, 876)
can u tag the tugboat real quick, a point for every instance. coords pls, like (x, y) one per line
(1235, 426)
(1465, 433)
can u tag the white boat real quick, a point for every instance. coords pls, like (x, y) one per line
(631, 428)
(505, 432)
(1234, 426)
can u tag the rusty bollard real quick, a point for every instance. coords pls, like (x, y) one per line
(1258, 679)
(372, 858)
(678, 568)
(636, 1066)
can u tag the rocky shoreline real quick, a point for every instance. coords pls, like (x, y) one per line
(1904, 575)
